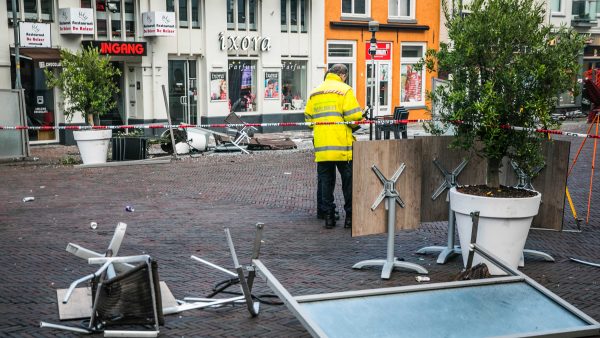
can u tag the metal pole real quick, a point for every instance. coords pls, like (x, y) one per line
(372, 51)
(391, 225)
(166, 99)
(17, 57)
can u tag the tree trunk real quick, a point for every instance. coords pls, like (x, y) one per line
(493, 172)
(90, 119)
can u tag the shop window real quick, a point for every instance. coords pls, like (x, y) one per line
(33, 10)
(242, 85)
(402, 9)
(241, 14)
(344, 53)
(412, 90)
(294, 84)
(293, 16)
(355, 7)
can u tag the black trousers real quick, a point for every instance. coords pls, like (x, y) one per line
(326, 179)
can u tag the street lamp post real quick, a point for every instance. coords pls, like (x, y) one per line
(373, 28)
(17, 56)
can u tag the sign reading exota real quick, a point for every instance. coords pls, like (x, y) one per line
(34, 34)
(383, 51)
(76, 21)
(159, 23)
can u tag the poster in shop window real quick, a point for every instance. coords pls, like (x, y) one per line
(218, 86)
(271, 85)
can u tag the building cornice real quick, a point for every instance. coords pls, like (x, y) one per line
(382, 26)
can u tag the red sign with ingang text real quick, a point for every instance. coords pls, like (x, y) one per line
(119, 47)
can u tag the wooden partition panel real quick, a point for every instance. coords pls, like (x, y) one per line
(436, 147)
(551, 182)
(387, 155)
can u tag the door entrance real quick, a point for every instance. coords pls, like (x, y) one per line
(378, 86)
(183, 92)
(116, 116)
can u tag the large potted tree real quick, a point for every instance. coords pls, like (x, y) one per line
(87, 84)
(505, 68)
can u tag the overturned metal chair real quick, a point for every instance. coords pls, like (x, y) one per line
(123, 291)
(246, 282)
(128, 298)
(239, 131)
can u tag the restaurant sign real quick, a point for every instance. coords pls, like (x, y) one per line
(159, 23)
(76, 21)
(34, 34)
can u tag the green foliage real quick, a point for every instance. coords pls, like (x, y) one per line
(506, 68)
(86, 82)
(70, 160)
(135, 132)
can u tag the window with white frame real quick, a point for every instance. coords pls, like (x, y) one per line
(412, 86)
(242, 85)
(293, 16)
(402, 9)
(355, 7)
(242, 14)
(294, 79)
(34, 10)
(116, 17)
(187, 9)
(343, 52)
(556, 6)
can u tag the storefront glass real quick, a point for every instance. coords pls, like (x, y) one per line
(39, 100)
(242, 85)
(294, 80)
(183, 91)
(411, 81)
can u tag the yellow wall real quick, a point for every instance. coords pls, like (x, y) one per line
(427, 13)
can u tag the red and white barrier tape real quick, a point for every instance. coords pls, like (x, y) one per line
(275, 124)
(213, 125)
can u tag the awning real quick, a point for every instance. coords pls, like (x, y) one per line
(41, 57)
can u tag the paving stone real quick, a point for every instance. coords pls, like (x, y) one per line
(182, 208)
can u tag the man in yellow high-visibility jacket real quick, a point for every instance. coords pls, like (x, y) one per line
(334, 101)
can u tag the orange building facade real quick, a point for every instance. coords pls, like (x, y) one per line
(407, 28)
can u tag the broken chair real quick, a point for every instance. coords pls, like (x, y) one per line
(125, 290)
(128, 298)
(239, 131)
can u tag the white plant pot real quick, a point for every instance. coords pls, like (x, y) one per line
(93, 145)
(503, 226)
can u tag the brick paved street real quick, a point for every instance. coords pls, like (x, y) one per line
(182, 208)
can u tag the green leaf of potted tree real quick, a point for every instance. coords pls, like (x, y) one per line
(505, 67)
(87, 84)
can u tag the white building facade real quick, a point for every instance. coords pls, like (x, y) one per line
(259, 58)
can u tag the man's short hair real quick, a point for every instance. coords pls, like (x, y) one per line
(338, 69)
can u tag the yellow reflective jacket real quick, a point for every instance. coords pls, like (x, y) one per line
(333, 101)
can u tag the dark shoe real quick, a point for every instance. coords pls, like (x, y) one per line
(322, 214)
(329, 221)
(348, 223)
